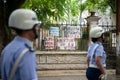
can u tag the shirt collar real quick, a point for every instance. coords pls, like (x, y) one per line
(99, 43)
(27, 43)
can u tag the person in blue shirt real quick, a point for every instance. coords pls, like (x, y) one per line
(96, 57)
(25, 23)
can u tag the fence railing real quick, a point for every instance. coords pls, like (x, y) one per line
(110, 45)
(81, 43)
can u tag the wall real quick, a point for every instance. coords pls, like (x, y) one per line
(49, 60)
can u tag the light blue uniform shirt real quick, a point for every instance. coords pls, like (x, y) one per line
(99, 51)
(27, 67)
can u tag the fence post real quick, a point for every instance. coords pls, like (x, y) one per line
(92, 21)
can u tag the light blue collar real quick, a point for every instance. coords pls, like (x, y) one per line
(98, 42)
(25, 41)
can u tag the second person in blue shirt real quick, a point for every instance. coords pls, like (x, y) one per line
(96, 57)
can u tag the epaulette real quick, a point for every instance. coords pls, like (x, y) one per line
(29, 47)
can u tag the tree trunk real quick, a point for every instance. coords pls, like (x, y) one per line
(118, 39)
(1, 22)
(5, 9)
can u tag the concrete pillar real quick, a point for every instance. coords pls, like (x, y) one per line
(118, 39)
(92, 21)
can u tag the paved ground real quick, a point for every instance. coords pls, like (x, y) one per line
(70, 75)
(62, 77)
(117, 77)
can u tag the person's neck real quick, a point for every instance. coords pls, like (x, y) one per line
(100, 40)
(26, 37)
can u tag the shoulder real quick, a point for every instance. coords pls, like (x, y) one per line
(100, 47)
(99, 50)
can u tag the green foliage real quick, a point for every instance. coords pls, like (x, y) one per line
(102, 5)
(78, 42)
(51, 11)
(85, 33)
(112, 4)
(47, 10)
(82, 44)
(82, 7)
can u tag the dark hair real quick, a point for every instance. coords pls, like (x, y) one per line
(18, 31)
(94, 39)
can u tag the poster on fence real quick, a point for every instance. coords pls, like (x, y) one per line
(54, 31)
(49, 43)
(73, 31)
(66, 43)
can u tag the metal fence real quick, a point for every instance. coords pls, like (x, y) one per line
(79, 42)
(82, 42)
(110, 45)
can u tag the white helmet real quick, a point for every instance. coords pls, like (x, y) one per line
(23, 19)
(96, 32)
